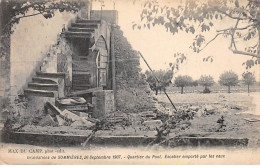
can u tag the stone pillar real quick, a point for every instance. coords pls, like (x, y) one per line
(103, 102)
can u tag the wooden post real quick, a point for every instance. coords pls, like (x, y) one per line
(157, 80)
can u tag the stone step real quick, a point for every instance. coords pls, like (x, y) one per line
(88, 21)
(50, 75)
(43, 80)
(85, 25)
(77, 29)
(39, 86)
(78, 34)
(41, 93)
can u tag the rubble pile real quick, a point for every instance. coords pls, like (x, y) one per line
(68, 117)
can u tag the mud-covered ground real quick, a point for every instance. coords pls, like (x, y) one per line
(241, 114)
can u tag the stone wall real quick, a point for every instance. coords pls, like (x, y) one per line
(64, 61)
(133, 93)
(30, 43)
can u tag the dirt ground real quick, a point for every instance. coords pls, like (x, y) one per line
(236, 108)
(240, 111)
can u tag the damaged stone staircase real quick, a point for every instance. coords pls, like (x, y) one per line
(82, 28)
(46, 85)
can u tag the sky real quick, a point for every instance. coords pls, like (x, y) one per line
(159, 46)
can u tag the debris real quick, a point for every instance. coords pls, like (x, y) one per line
(252, 119)
(82, 124)
(209, 110)
(94, 120)
(73, 104)
(149, 114)
(60, 121)
(55, 110)
(69, 115)
(224, 110)
(221, 96)
(200, 112)
(47, 121)
(235, 107)
(81, 114)
(184, 124)
(72, 101)
(195, 108)
(153, 123)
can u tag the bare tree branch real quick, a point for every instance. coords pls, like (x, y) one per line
(229, 15)
(242, 28)
(244, 53)
(232, 35)
(28, 15)
(212, 40)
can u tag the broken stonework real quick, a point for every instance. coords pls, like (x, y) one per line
(69, 115)
(153, 123)
(47, 121)
(60, 121)
(81, 114)
(82, 123)
(133, 93)
(103, 102)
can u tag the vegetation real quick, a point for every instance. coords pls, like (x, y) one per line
(206, 81)
(183, 81)
(12, 11)
(228, 78)
(195, 83)
(200, 17)
(248, 79)
(164, 77)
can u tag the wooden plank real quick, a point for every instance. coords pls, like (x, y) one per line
(53, 108)
(86, 91)
(83, 107)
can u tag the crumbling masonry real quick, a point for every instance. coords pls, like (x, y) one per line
(92, 60)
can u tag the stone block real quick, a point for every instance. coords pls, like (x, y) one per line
(103, 102)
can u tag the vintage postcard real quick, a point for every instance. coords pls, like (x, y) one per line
(130, 82)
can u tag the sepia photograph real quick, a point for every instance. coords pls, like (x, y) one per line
(130, 82)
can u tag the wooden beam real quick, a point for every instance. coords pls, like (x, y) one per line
(81, 92)
(53, 108)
